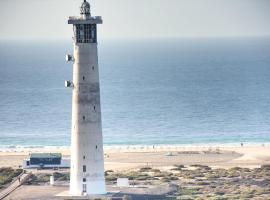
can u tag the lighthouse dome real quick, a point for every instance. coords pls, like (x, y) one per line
(85, 8)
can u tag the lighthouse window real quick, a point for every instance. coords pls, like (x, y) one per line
(94, 107)
(83, 117)
(84, 179)
(94, 33)
(84, 157)
(85, 33)
(84, 168)
(84, 187)
(79, 33)
(96, 146)
(93, 67)
(83, 78)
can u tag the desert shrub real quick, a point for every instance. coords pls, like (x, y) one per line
(132, 175)
(219, 198)
(43, 177)
(108, 172)
(143, 177)
(178, 167)
(7, 174)
(260, 191)
(57, 175)
(220, 172)
(5, 180)
(201, 183)
(189, 191)
(32, 180)
(61, 176)
(246, 196)
(36, 179)
(111, 177)
(135, 175)
(246, 170)
(145, 169)
(155, 170)
(162, 174)
(191, 174)
(267, 167)
(219, 192)
(196, 165)
(201, 166)
(165, 179)
(186, 197)
(212, 176)
(233, 173)
(169, 178)
(235, 169)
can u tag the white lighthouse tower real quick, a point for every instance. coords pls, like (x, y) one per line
(87, 162)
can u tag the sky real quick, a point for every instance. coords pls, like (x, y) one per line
(47, 19)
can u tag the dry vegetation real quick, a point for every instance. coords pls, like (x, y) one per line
(39, 179)
(202, 182)
(7, 174)
(192, 182)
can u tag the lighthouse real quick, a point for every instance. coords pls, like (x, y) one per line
(87, 162)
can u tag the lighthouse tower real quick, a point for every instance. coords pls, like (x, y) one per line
(87, 163)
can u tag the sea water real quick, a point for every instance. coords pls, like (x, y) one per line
(166, 91)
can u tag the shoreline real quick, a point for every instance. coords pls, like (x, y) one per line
(30, 148)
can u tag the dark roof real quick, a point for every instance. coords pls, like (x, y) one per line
(45, 155)
(85, 8)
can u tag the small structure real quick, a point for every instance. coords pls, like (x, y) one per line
(46, 160)
(52, 180)
(122, 182)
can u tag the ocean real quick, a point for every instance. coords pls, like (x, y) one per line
(153, 92)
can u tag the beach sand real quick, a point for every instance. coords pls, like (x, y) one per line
(124, 158)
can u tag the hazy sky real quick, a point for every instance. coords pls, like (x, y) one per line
(21, 19)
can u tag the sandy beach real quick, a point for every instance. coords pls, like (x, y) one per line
(121, 158)
(161, 171)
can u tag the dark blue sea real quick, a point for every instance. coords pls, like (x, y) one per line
(175, 91)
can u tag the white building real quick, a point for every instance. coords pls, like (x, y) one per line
(87, 162)
(45, 160)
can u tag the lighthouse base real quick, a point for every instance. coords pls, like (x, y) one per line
(96, 187)
(67, 196)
